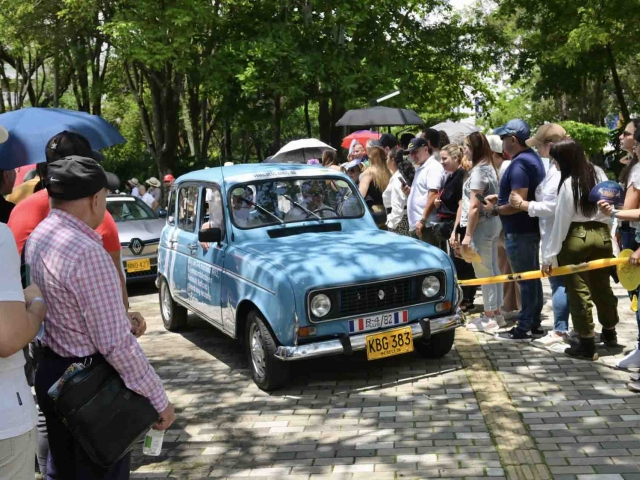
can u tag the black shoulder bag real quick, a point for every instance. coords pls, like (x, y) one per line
(102, 414)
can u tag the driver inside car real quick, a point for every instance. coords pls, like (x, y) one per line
(312, 195)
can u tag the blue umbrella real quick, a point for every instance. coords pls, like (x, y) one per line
(31, 128)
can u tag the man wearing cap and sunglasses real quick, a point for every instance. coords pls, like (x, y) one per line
(86, 318)
(522, 235)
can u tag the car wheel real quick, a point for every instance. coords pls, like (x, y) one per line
(268, 372)
(437, 346)
(174, 316)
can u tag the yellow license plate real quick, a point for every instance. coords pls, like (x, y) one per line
(390, 343)
(139, 265)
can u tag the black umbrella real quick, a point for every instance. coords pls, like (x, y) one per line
(379, 117)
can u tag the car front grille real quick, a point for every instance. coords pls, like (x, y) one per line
(367, 298)
(358, 299)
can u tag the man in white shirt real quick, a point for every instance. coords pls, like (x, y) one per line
(423, 193)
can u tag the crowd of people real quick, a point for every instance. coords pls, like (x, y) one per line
(151, 192)
(58, 247)
(491, 203)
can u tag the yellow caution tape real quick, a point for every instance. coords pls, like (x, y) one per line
(556, 272)
(634, 304)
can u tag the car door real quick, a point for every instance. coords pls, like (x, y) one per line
(204, 271)
(186, 245)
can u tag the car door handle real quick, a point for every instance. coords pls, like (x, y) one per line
(193, 247)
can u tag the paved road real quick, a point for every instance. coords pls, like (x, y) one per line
(487, 409)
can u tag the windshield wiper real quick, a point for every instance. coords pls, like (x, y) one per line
(302, 207)
(264, 210)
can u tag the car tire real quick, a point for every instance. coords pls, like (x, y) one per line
(174, 316)
(267, 371)
(437, 346)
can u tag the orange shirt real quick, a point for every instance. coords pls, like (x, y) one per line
(26, 216)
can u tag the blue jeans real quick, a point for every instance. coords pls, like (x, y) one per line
(560, 304)
(523, 255)
(485, 242)
(628, 240)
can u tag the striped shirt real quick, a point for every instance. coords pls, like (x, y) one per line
(82, 290)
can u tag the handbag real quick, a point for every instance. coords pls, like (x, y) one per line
(104, 416)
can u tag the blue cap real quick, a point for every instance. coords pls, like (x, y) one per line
(516, 127)
(352, 163)
(609, 191)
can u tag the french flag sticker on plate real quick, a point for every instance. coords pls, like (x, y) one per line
(378, 321)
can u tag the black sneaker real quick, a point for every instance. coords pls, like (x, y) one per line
(584, 350)
(634, 387)
(513, 335)
(609, 337)
(537, 332)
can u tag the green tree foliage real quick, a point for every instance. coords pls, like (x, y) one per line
(593, 139)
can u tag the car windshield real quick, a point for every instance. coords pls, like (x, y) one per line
(126, 209)
(282, 201)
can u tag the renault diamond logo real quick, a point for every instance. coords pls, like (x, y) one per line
(381, 294)
(136, 246)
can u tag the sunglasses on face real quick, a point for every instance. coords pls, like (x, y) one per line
(502, 137)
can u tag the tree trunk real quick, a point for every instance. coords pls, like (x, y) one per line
(277, 122)
(324, 120)
(56, 81)
(624, 109)
(307, 120)
(228, 153)
(337, 110)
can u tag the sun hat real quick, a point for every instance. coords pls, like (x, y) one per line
(154, 182)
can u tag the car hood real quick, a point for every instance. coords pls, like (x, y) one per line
(145, 230)
(338, 258)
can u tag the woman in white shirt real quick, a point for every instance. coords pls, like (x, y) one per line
(394, 198)
(18, 326)
(581, 233)
(544, 208)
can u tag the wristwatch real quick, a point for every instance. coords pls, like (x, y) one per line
(423, 221)
(494, 210)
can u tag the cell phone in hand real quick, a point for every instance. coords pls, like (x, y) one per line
(480, 198)
(403, 182)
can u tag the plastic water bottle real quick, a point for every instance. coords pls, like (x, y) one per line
(153, 442)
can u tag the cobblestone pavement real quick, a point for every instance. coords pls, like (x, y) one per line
(487, 409)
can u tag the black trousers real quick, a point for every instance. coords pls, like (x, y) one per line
(70, 460)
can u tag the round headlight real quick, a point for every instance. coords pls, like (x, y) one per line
(320, 305)
(430, 286)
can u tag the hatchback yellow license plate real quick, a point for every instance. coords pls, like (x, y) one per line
(390, 343)
(140, 265)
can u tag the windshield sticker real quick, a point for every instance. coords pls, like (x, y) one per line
(281, 173)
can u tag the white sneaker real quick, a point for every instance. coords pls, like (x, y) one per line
(500, 320)
(630, 361)
(551, 338)
(482, 324)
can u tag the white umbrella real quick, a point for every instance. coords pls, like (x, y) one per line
(299, 151)
(454, 129)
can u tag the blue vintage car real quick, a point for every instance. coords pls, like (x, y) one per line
(288, 260)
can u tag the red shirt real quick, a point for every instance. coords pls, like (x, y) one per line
(26, 216)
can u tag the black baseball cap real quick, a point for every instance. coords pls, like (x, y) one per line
(388, 141)
(75, 177)
(415, 144)
(66, 144)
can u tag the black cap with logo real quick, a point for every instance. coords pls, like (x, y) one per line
(75, 177)
(415, 144)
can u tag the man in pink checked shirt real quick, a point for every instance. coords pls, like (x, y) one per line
(86, 317)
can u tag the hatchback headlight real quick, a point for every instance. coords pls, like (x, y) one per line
(430, 286)
(320, 305)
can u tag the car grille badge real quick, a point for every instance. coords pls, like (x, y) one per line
(381, 294)
(136, 246)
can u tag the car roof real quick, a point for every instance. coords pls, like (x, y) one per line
(114, 196)
(248, 172)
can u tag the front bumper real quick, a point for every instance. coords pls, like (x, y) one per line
(358, 342)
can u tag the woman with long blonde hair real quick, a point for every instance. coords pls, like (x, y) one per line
(375, 179)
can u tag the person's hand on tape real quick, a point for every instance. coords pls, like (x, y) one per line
(634, 259)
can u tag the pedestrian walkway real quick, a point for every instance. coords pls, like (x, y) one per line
(486, 410)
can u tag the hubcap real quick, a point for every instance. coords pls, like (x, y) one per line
(257, 351)
(166, 302)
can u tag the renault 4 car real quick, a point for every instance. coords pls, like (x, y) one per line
(288, 260)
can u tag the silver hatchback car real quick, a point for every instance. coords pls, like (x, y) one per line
(139, 229)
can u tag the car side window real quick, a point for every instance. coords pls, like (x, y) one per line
(171, 207)
(212, 211)
(187, 208)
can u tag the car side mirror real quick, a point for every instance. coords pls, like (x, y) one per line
(210, 235)
(379, 217)
(162, 213)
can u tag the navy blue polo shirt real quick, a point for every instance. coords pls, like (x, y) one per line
(525, 171)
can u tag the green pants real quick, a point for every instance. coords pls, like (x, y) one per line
(585, 242)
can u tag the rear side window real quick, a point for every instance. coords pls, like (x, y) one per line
(171, 207)
(187, 208)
